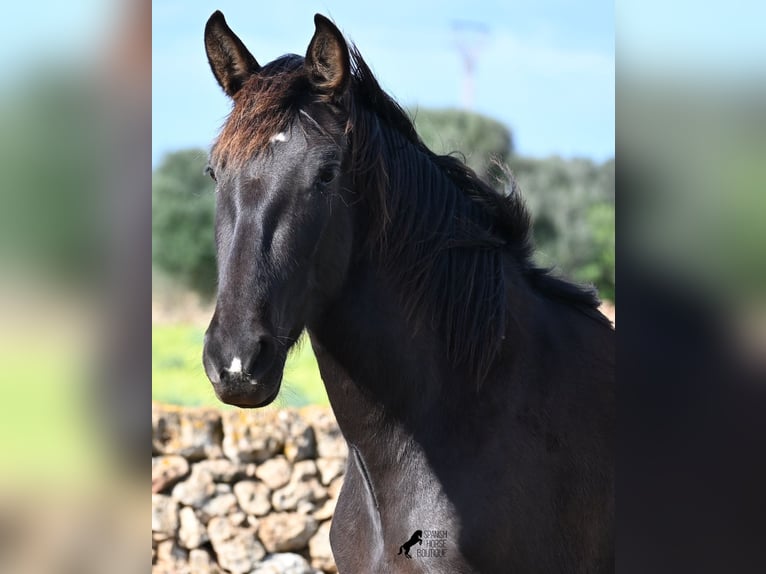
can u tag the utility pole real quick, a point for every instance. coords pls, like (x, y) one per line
(469, 39)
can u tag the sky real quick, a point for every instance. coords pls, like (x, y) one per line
(545, 68)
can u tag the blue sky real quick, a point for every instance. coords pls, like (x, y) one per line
(546, 69)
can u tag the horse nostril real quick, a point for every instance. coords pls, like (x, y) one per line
(261, 357)
(210, 364)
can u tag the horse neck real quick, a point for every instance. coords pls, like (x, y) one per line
(390, 347)
(398, 401)
(371, 360)
(387, 379)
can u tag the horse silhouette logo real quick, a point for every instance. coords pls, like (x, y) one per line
(416, 538)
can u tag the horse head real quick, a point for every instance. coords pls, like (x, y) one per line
(283, 227)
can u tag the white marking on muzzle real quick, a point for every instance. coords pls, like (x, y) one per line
(236, 365)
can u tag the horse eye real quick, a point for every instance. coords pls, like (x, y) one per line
(327, 175)
(209, 171)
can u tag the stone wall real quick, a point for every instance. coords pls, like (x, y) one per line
(244, 491)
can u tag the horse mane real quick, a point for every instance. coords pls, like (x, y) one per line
(451, 271)
(453, 266)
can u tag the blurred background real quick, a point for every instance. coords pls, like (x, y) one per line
(691, 138)
(81, 155)
(75, 244)
(529, 85)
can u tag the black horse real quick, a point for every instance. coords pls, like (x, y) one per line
(475, 390)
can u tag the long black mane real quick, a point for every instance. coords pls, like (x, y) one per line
(443, 233)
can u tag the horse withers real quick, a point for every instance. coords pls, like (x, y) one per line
(474, 389)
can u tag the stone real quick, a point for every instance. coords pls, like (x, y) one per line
(164, 516)
(164, 568)
(195, 490)
(223, 470)
(170, 557)
(320, 550)
(158, 537)
(252, 435)
(332, 445)
(253, 497)
(300, 443)
(222, 488)
(330, 469)
(219, 506)
(192, 532)
(303, 491)
(167, 470)
(297, 492)
(286, 531)
(192, 433)
(237, 548)
(334, 489)
(329, 440)
(200, 562)
(326, 511)
(238, 518)
(304, 470)
(283, 563)
(306, 507)
(274, 473)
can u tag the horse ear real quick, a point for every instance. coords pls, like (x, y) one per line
(229, 59)
(327, 60)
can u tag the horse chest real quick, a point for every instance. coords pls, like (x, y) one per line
(397, 522)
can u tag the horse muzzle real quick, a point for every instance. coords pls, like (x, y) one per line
(244, 375)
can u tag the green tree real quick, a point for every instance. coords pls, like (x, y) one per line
(183, 214)
(52, 157)
(481, 140)
(572, 204)
(598, 263)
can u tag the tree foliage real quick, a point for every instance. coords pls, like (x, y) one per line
(183, 211)
(572, 204)
(480, 140)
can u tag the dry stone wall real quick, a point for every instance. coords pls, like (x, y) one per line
(244, 491)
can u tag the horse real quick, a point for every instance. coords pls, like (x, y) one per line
(475, 389)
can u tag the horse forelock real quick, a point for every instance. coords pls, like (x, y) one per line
(264, 106)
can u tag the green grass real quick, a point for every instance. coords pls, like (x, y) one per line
(50, 428)
(178, 377)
